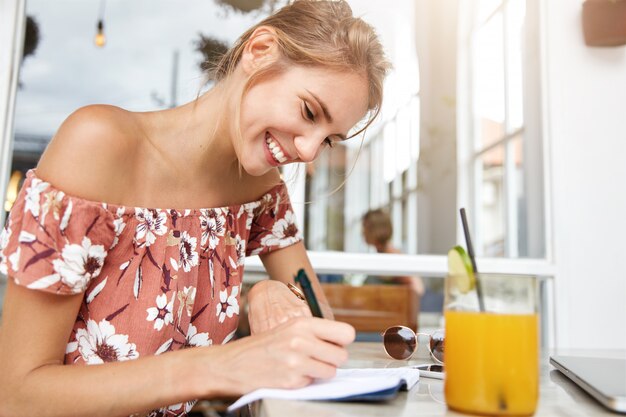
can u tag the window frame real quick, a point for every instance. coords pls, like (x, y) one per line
(504, 141)
(12, 27)
(471, 150)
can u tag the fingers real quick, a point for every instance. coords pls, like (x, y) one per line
(331, 354)
(321, 340)
(314, 369)
(336, 332)
(305, 353)
(319, 350)
(290, 355)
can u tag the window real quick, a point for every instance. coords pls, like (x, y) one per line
(503, 157)
(459, 124)
(149, 61)
(460, 128)
(378, 170)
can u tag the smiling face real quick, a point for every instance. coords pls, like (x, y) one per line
(293, 116)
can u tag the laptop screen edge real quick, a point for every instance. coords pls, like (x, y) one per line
(613, 404)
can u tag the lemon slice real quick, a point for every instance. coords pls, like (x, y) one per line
(460, 269)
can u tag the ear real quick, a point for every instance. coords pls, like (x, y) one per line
(260, 49)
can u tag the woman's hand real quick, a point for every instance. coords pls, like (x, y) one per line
(271, 303)
(289, 356)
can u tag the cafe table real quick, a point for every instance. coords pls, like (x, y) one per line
(558, 396)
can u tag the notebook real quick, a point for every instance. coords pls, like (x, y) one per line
(361, 384)
(603, 378)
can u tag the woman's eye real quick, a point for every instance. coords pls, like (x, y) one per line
(329, 142)
(309, 113)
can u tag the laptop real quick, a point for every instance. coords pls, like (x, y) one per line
(603, 378)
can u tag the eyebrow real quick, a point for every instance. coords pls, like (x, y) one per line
(327, 115)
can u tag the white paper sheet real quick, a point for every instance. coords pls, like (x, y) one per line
(347, 382)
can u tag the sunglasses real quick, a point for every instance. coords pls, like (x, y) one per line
(400, 343)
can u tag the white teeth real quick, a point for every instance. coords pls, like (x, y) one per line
(275, 149)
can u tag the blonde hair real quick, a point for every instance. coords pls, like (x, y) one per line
(320, 33)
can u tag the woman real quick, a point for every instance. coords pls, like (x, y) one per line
(377, 231)
(115, 260)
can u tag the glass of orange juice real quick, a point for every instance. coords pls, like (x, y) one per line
(492, 351)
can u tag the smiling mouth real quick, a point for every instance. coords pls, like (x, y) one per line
(275, 149)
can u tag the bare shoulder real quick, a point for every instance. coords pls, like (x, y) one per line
(89, 152)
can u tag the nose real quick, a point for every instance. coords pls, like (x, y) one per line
(308, 147)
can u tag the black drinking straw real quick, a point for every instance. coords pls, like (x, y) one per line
(470, 251)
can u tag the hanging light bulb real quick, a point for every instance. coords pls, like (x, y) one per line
(100, 39)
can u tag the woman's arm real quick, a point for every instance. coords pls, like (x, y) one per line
(35, 330)
(271, 302)
(34, 381)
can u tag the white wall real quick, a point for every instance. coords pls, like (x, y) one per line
(586, 129)
(436, 44)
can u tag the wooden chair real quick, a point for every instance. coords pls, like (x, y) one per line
(373, 308)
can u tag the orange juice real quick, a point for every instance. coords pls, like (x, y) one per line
(492, 364)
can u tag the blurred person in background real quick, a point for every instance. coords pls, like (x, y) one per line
(377, 232)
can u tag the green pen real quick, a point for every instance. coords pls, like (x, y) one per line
(311, 300)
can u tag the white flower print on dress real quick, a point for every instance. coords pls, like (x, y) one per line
(4, 242)
(99, 344)
(186, 300)
(240, 247)
(188, 405)
(4, 268)
(162, 313)
(33, 196)
(151, 224)
(26, 237)
(14, 259)
(266, 200)
(278, 203)
(66, 216)
(194, 338)
(212, 224)
(284, 232)
(188, 254)
(52, 203)
(79, 264)
(228, 305)
(118, 225)
(248, 211)
(5, 236)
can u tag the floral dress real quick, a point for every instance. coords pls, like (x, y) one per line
(153, 280)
